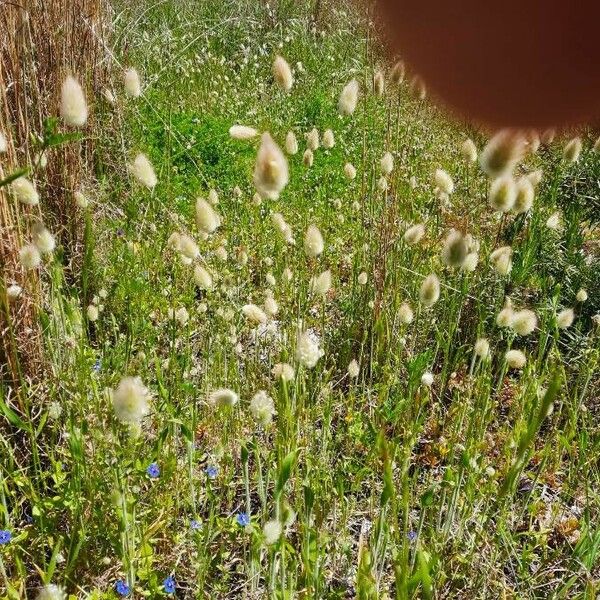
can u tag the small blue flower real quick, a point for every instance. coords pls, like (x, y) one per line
(97, 366)
(5, 536)
(211, 471)
(122, 588)
(243, 520)
(169, 585)
(195, 525)
(153, 470)
(412, 536)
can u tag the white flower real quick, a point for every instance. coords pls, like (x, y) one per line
(131, 79)
(25, 191)
(283, 371)
(202, 278)
(223, 397)
(51, 592)
(92, 312)
(348, 98)
(469, 150)
(443, 181)
(29, 256)
(207, 219)
(73, 108)
(482, 348)
(283, 74)
(572, 150)
(565, 318)
(241, 132)
(387, 163)
(131, 400)
(272, 531)
(430, 290)
(353, 369)
(328, 139)
(143, 171)
(307, 349)
(262, 408)
(291, 143)
(321, 284)
(414, 234)
(515, 359)
(271, 169)
(43, 239)
(427, 379)
(349, 171)
(313, 242)
(254, 313)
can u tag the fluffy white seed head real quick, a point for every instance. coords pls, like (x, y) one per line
(254, 314)
(427, 379)
(307, 349)
(24, 191)
(242, 132)
(3, 143)
(73, 108)
(443, 181)
(313, 242)
(43, 239)
(223, 397)
(143, 171)
(80, 199)
(283, 371)
(282, 227)
(188, 247)
(455, 249)
(501, 259)
(349, 171)
(503, 193)
(51, 592)
(348, 98)
(321, 284)
(405, 313)
(133, 86)
(524, 322)
(387, 163)
(470, 263)
(572, 150)
(502, 153)
(308, 158)
(505, 317)
(213, 197)
(362, 278)
(207, 219)
(353, 369)
(554, 221)
(13, 291)
(482, 348)
(312, 139)
(582, 295)
(565, 318)
(328, 139)
(378, 83)
(131, 400)
(535, 177)
(92, 312)
(429, 293)
(262, 408)
(291, 143)
(382, 184)
(282, 74)
(468, 150)
(414, 234)
(398, 73)
(515, 359)
(202, 278)
(271, 307)
(524, 195)
(271, 169)
(272, 531)
(30, 257)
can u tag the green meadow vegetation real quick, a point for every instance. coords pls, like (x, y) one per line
(365, 369)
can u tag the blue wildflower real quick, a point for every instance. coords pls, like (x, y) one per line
(122, 588)
(211, 471)
(412, 536)
(169, 585)
(5, 536)
(153, 470)
(97, 366)
(195, 525)
(243, 520)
